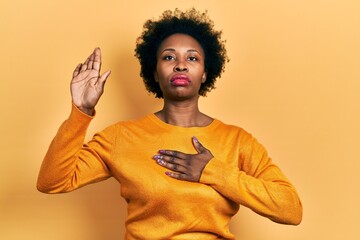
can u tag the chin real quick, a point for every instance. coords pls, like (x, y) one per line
(182, 97)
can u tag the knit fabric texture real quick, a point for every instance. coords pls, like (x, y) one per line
(160, 207)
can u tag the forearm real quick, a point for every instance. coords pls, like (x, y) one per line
(67, 164)
(274, 198)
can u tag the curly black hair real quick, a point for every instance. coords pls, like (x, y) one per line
(190, 22)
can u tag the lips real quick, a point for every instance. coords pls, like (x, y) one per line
(180, 80)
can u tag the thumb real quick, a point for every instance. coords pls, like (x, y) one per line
(102, 79)
(198, 146)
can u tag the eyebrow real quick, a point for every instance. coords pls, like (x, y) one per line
(173, 50)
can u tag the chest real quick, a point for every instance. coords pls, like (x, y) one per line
(142, 179)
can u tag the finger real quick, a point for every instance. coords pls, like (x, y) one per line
(173, 153)
(91, 61)
(77, 70)
(97, 59)
(171, 162)
(179, 176)
(170, 159)
(198, 146)
(171, 166)
(84, 66)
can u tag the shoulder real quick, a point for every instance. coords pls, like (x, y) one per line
(231, 128)
(134, 125)
(238, 135)
(128, 129)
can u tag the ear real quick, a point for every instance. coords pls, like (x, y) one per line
(156, 77)
(203, 78)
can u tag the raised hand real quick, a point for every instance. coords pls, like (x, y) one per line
(87, 85)
(184, 166)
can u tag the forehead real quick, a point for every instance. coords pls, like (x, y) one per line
(179, 42)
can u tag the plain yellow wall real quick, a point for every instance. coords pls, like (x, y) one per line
(293, 81)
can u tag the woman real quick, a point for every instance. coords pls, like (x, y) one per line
(183, 173)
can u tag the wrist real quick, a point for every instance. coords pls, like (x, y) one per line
(87, 111)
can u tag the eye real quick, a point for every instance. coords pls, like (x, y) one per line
(192, 59)
(168, 58)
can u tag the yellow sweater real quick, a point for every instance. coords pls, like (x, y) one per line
(160, 207)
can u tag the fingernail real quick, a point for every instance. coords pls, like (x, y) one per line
(195, 139)
(161, 151)
(157, 157)
(159, 161)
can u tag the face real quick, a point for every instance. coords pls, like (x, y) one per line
(180, 68)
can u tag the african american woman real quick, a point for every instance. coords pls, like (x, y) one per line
(183, 173)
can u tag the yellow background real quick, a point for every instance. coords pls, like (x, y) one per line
(293, 81)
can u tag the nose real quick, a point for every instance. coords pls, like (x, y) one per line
(180, 67)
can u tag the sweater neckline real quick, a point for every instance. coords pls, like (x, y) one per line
(165, 125)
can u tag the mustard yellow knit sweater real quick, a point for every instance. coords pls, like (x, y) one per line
(160, 207)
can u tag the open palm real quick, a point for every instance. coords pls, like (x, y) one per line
(87, 84)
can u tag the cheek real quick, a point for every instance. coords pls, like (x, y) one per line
(163, 71)
(201, 73)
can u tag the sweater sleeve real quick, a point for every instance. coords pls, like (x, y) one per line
(256, 183)
(69, 163)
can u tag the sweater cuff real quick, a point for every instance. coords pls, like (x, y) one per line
(214, 173)
(76, 113)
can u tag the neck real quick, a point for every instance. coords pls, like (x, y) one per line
(183, 113)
